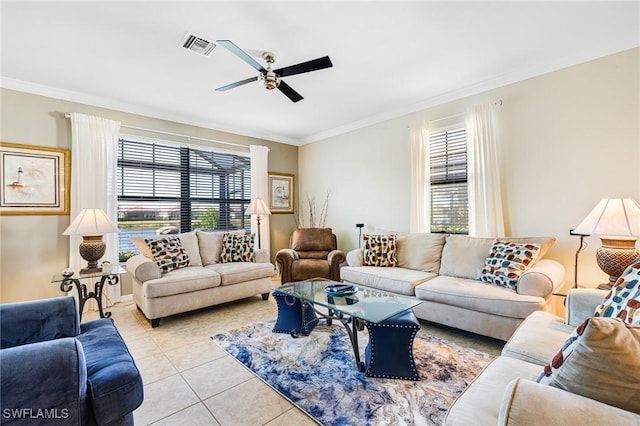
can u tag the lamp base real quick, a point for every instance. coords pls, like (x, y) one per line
(92, 248)
(615, 255)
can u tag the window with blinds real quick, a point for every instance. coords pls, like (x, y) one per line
(448, 174)
(167, 189)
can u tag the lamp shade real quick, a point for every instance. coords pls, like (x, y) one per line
(612, 216)
(257, 206)
(91, 222)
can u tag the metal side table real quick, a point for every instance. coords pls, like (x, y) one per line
(81, 282)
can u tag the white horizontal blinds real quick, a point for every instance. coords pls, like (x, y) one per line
(448, 176)
(164, 188)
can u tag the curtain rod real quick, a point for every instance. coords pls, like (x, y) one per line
(68, 115)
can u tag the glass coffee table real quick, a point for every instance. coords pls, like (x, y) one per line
(298, 312)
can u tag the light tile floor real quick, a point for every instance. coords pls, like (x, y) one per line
(189, 380)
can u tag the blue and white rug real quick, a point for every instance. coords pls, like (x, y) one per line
(318, 374)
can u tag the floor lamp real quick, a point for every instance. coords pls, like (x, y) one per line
(257, 207)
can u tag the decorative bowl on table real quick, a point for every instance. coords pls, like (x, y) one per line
(338, 290)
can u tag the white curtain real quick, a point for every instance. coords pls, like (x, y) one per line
(485, 199)
(259, 188)
(420, 204)
(94, 142)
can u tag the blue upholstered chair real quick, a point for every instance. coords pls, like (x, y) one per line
(54, 369)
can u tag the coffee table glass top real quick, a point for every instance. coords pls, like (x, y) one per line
(367, 303)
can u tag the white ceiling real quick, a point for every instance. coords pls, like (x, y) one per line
(390, 58)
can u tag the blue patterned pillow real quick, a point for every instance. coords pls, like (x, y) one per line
(623, 301)
(507, 261)
(168, 253)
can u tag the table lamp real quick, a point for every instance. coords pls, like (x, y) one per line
(257, 207)
(91, 224)
(617, 222)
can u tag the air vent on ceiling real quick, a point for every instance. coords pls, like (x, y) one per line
(197, 44)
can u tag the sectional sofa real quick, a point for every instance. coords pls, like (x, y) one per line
(444, 272)
(507, 392)
(205, 281)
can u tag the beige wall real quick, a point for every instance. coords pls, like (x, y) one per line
(568, 139)
(32, 248)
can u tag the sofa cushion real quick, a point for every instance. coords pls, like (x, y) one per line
(183, 280)
(313, 239)
(115, 385)
(238, 272)
(189, 242)
(237, 248)
(479, 404)
(464, 256)
(507, 261)
(379, 250)
(210, 244)
(420, 251)
(623, 301)
(168, 253)
(538, 338)
(396, 280)
(599, 361)
(478, 296)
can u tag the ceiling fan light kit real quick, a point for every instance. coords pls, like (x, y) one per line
(270, 78)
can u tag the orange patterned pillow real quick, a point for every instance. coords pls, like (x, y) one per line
(379, 250)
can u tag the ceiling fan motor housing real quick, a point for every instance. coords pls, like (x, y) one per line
(270, 80)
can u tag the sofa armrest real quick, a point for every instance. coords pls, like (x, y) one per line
(38, 320)
(581, 304)
(355, 257)
(143, 268)
(542, 278)
(526, 402)
(335, 258)
(262, 255)
(284, 262)
(46, 375)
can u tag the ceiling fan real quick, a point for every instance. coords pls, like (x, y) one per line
(270, 78)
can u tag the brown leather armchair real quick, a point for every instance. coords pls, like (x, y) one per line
(313, 253)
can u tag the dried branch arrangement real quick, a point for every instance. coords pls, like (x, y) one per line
(313, 220)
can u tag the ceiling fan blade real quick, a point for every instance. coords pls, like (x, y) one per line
(289, 92)
(312, 65)
(231, 47)
(236, 84)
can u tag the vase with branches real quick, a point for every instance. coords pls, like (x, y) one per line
(312, 219)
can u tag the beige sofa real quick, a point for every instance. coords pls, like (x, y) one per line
(205, 282)
(506, 391)
(443, 271)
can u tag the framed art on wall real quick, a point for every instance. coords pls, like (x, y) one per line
(281, 190)
(34, 180)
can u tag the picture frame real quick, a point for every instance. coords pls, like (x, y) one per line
(281, 193)
(34, 180)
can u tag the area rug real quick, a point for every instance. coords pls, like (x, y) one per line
(318, 374)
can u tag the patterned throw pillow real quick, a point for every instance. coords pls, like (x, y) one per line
(507, 261)
(379, 250)
(623, 301)
(600, 362)
(546, 377)
(168, 253)
(237, 248)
